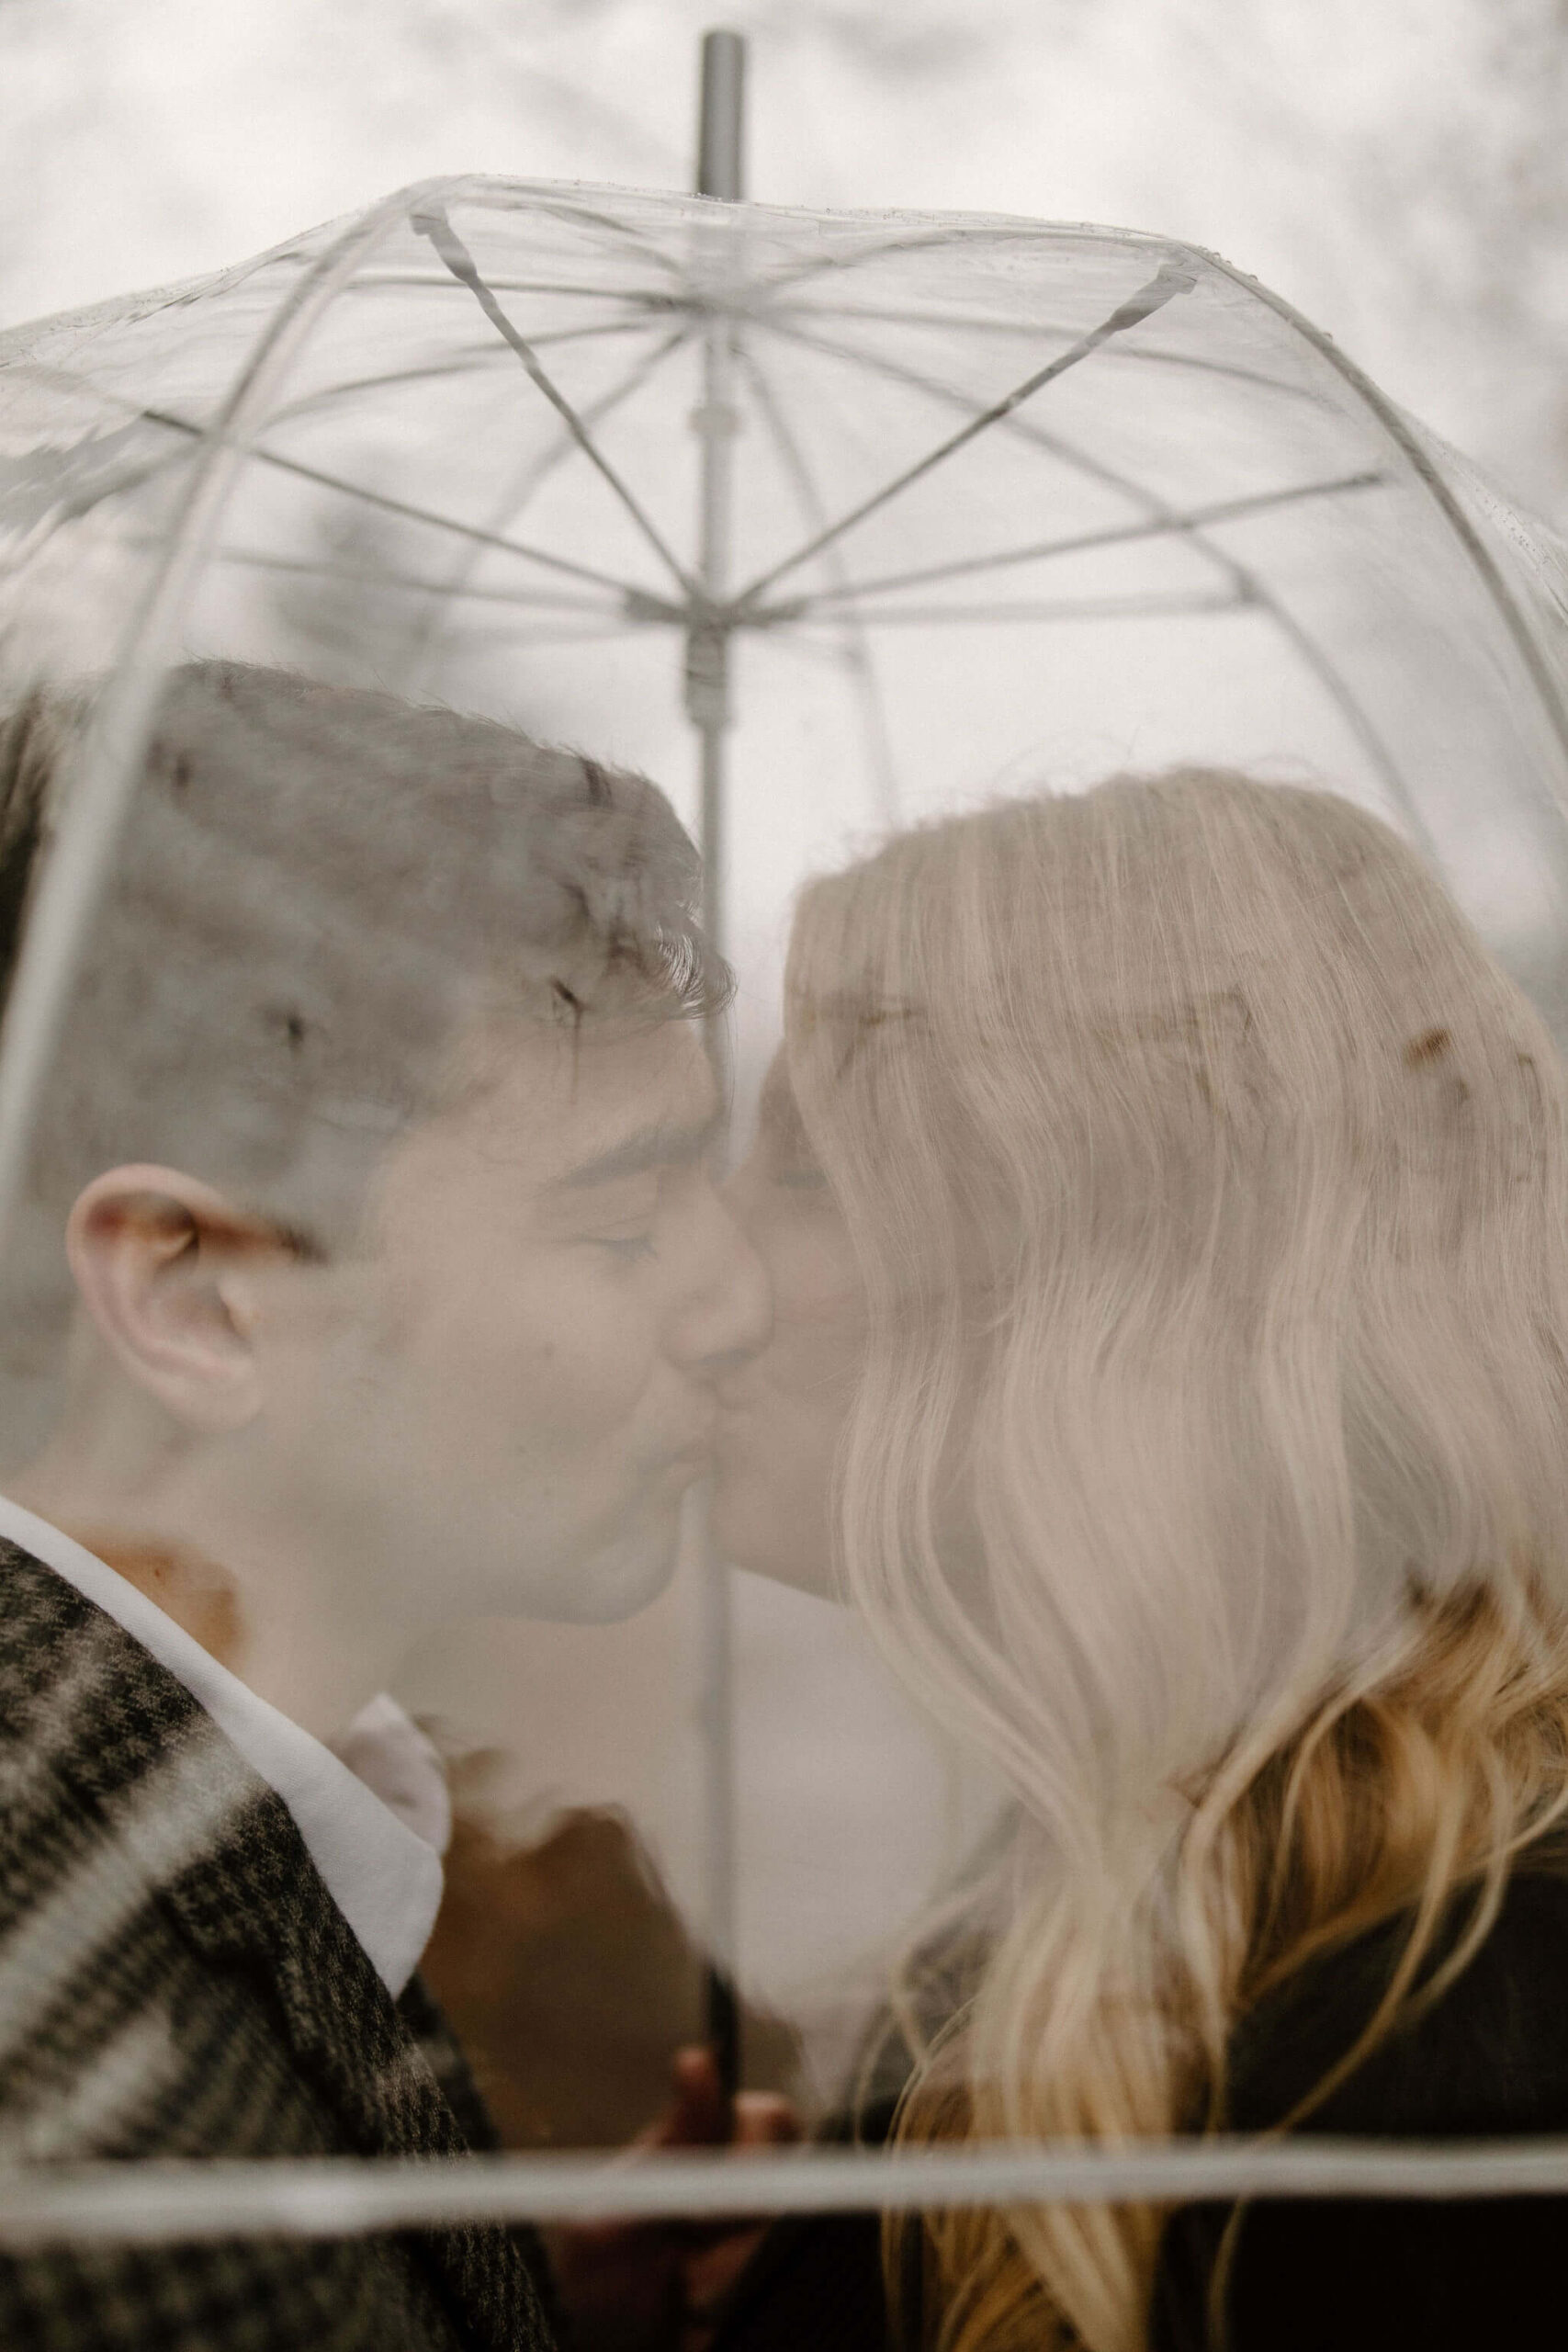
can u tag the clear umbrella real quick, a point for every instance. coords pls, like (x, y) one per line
(830, 525)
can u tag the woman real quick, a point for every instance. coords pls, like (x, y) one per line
(1166, 1198)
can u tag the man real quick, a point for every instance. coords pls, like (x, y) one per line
(374, 1256)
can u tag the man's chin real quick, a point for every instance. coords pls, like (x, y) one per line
(745, 1523)
(618, 1581)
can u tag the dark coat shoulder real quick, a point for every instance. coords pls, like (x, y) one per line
(176, 1981)
(1487, 2060)
(1490, 2059)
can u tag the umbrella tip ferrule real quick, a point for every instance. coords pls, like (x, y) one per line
(721, 116)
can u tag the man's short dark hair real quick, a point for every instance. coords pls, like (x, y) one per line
(318, 886)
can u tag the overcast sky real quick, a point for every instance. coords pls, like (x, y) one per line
(1399, 168)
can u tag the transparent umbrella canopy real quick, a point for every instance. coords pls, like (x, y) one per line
(892, 510)
(829, 525)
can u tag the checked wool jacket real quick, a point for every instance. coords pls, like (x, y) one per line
(176, 1981)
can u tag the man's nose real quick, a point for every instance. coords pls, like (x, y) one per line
(727, 1312)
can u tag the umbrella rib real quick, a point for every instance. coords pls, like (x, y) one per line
(479, 354)
(1062, 608)
(135, 477)
(955, 319)
(1119, 534)
(638, 324)
(527, 480)
(1245, 586)
(599, 633)
(482, 197)
(1244, 581)
(171, 422)
(857, 652)
(798, 274)
(1248, 588)
(377, 282)
(540, 467)
(459, 261)
(263, 560)
(1171, 279)
(476, 354)
(576, 215)
(387, 504)
(1026, 429)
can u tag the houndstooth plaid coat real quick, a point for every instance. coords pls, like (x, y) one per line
(175, 1980)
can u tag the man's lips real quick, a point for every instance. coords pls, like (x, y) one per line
(743, 1422)
(697, 1452)
(737, 1397)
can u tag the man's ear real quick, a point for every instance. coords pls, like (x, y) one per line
(167, 1268)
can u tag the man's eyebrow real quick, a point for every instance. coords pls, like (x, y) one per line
(659, 1145)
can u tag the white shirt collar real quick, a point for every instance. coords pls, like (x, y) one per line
(373, 1823)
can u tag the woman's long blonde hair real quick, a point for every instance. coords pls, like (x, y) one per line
(1209, 1181)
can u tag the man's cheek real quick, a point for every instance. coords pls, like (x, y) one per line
(590, 1377)
(597, 1394)
(521, 1331)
